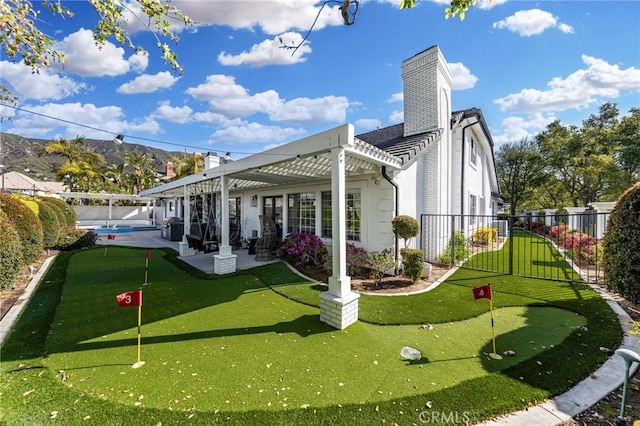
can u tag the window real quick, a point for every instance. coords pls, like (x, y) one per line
(472, 151)
(472, 210)
(353, 213)
(301, 210)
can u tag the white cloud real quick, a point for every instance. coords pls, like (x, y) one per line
(109, 118)
(270, 52)
(396, 117)
(86, 59)
(173, 114)
(228, 98)
(366, 124)
(253, 133)
(272, 17)
(148, 83)
(531, 22)
(462, 77)
(312, 111)
(515, 128)
(396, 97)
(139, 61)
(42, 86)
(600, 80)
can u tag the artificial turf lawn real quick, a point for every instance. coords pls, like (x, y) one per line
(234, 346)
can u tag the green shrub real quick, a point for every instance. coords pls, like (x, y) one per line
(412, 263)
(485, 235)
(10, 248)
(461, 250)
(383, 263)
(621, 245)
(50, 224)
(79, 239)
(62, 219)
(26, 223)
(70, 216)
(405, 227)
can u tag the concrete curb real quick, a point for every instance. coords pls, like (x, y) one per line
(6, 324)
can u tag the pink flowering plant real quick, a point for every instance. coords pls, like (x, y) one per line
(359, 261)
(301, 249)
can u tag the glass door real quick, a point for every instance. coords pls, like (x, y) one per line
(272, 207)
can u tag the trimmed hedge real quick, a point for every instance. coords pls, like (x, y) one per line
(10, 248)
(70, 216)
(62, 219)
(28, 226)
(412, 263)
(621, 244)
(50, 224)
(405, 227)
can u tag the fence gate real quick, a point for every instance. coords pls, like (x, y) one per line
(562, 247)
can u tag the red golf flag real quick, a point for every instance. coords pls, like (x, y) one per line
(111, 237)
(482, 292)
(148, 254)
(130, 298)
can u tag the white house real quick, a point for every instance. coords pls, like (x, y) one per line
(348, 188)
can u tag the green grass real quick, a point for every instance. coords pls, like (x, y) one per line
(231, 349)
(533, 255)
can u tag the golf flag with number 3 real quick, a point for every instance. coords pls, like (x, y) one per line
(482, 292)
(130, 298)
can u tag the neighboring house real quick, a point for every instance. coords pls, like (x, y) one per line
(23, 184)
(348, 188)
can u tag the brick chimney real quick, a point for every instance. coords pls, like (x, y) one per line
(427, 92)
(169, 170)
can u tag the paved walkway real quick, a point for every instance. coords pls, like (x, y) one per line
(556, 411)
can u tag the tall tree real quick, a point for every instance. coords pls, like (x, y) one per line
(519, 167)
(585, 160)
(143, 167)
(80, 163)
(629, 138)
(187, 165)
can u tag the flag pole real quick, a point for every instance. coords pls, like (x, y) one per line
(146, 267)
(139, 363)
(493, 330)
(106, 245)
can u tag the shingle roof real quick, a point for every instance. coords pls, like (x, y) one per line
(392, 140)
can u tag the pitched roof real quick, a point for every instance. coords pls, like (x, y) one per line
(392, 140)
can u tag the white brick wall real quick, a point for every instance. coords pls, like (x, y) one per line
(224, 264)
(339, 312)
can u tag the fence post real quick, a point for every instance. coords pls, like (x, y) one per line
(511, 225)
(453, 240)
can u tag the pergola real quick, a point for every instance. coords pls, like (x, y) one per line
(334, 154)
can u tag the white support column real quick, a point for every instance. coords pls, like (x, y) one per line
(225, 261)
(183, 246)
(339, 305)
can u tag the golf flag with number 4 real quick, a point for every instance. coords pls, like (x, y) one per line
(482, 292)
(130, 298)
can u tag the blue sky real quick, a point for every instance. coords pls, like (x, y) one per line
(523, 63)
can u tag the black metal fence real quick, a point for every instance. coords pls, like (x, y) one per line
(564, 247)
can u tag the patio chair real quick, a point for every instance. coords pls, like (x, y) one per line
(267, 239)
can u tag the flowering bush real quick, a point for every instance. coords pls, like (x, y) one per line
(558, 233)
(358, 260)
(302, 249)
(485, 235)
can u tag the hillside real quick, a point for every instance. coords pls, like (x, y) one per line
(18, 153)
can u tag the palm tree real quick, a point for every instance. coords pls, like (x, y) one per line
(187, 165)
(79, 162)
(142, 166)
(116, 174)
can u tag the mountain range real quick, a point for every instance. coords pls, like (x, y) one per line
(20, 154)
